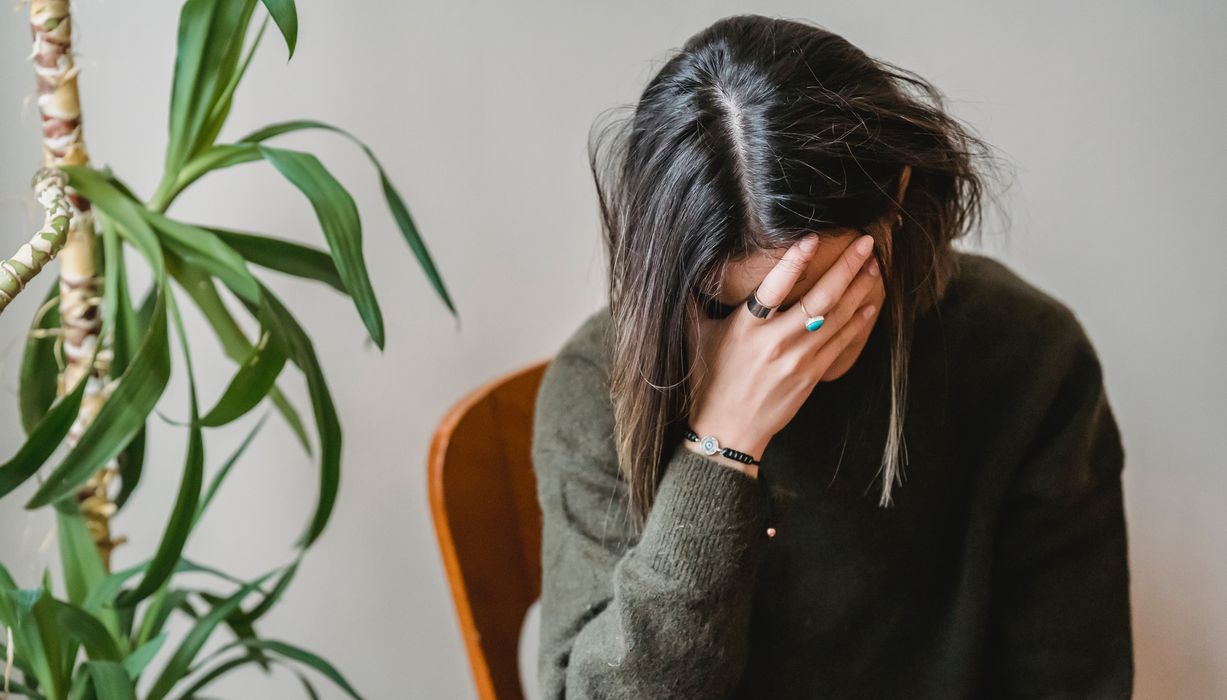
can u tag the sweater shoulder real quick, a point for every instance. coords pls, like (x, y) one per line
(1008, 336)
(999, 307)
(590, 340)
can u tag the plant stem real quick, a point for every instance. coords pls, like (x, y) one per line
(80, 281)
(17, 271)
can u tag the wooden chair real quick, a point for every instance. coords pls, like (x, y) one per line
(483, 500)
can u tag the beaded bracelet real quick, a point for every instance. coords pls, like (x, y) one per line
(712, 447)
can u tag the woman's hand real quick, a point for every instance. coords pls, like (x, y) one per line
(753, 374)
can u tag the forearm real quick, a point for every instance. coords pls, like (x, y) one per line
(677, 622)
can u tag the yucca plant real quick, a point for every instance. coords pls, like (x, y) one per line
(96, 363)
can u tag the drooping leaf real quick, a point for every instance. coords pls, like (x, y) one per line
(338, 216)
(285, 14)
(136, 662)
(301, 350)
(202, 248)
(110, 680)
(396, 204)
(234, 341)
(271, 598)
(284, 256)
(38, 364)
(123, 415)
(177, 667)
(45, 437)
(119, 419)
(57, 649)
(17, 614)
(224, 470)
(183, 513)
(123, 322)
(87, 630)
(153, 620)
(255, 378)
(304, 657)
(214, 673)
(83, 569)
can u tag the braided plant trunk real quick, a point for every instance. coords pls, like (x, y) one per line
(30, 259)
(80, 281)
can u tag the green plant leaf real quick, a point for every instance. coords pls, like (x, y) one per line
(83, 569)
(211, 34)
(136, 662)
(215, 158)
(304, 657)
(396, 204)
(119, 419)
(17, 614)
(283, 582)
(201, 248)
(158, 611)
(110, 680)
(45, 437)
(39, 368)
(338, 216)
(285, 14)
(86, 629)
(138, 389)
(124, 323)
(131, 466)
(183, 513)
(57, 649)
(177, 667)
(234, 341)
(224, 470)
(255, 378)
(18, 689)
(221, 106)
(240, 626)
(284, 256)
(214, 673)
(301, 350)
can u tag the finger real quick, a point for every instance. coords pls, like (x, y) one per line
(821, 299)
(843, 337)
(852, 299)
(781, 279)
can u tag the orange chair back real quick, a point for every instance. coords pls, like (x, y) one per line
(483, 499)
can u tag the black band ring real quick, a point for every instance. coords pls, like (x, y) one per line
(756, 307)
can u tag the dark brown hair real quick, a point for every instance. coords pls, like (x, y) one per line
(753, 134)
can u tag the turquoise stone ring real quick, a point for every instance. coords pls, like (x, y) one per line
(812, 322)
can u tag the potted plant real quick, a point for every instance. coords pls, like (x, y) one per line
(97, 360)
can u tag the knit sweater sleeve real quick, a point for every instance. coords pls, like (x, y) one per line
(662, 614)
(1060, 616)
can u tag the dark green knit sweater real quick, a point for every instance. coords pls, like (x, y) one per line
(1001, 570)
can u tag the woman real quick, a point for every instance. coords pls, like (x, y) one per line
(788, 325)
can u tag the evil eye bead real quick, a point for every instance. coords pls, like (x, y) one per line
(709, 445)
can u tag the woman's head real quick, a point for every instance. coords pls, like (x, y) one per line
(756, 133)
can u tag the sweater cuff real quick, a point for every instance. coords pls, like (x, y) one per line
(707, 523)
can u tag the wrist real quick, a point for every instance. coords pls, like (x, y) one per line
(750, 470)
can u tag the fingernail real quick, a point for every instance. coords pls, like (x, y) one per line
(809, 244)
(868, 310)
(864, 245)
(873, 267)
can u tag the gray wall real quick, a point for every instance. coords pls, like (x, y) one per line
(1110, 112)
